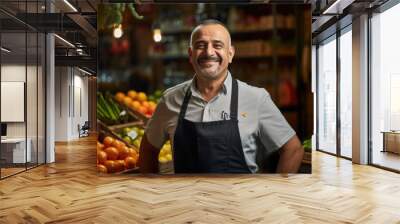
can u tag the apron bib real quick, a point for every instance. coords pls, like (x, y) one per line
(209, 147)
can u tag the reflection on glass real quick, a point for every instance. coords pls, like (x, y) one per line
(345, 94)
(327, 96)
(31, 97)
(13, 84)
(41, 99)
(385, 85)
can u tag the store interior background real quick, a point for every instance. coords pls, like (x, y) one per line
(272, 51)
(355, 78)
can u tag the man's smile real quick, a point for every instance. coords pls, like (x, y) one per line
(208, 61)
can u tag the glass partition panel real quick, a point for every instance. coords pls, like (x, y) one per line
(327, 96)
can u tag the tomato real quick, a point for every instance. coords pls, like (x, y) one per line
(112, 153)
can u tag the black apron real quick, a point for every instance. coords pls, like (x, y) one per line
(209, 147)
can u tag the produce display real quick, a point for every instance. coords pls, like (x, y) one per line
(139, 101)
(115, 156)
(118, 145)
(109, 112)
(132, 135)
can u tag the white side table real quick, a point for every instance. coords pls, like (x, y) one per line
(18, 144)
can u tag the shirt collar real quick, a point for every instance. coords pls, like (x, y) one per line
(226, 87)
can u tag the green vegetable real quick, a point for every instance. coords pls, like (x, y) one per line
(307, 145)
(107, 110)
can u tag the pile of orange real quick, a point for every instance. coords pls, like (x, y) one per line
(137, 101)
(114, 156)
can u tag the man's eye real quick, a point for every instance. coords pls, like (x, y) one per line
(217, 46)
(200, 46)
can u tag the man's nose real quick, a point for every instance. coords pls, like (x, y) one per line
(210, 50)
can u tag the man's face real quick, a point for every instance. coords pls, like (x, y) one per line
(211, 51)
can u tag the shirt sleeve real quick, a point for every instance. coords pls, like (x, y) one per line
(273, 129)
(156, 126)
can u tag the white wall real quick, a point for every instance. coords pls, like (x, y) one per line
(33, 127)
(16, 73)
(71, 93)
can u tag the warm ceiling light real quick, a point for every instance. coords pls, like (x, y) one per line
(70, 5)
(5, 50)
(65, 41)
(118, 32)
(157, 35)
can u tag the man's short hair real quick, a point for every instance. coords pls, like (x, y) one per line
(208, 22)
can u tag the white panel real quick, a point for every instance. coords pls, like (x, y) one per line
(12, 101)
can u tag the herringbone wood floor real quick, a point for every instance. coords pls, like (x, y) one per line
(70, 191)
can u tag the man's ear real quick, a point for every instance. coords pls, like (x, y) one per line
(231, 53)
(190, 52)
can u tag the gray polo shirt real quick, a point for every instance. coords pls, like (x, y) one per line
(261, 124)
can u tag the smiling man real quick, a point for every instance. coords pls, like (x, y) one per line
(216, 123)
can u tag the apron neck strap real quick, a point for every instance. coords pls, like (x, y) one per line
(234, 101)
(185, 104)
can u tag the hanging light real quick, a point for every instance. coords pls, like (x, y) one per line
(157, 35)
(118, 32)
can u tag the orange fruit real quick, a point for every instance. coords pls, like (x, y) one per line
(117, 144)
(119, 96)
(132, 94)
(111, 166)
(127, 100)
(100, 146)
(130, 162)
(152, 107)
(123, 152)
(135, 105)
(141, 96)
(101, 156)
(112, 153)
(145, 104)
(133, 152)
(142, 110)
(108, 141)
(101, 168)
(120, 165)
(132, 107)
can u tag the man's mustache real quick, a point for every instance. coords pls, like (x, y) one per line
(208, 58)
